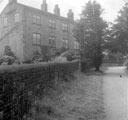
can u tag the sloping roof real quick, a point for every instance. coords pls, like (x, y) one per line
(42, 12)
(47, 13)
(4, 9)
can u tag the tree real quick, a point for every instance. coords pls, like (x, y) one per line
(120, 32)
(59, 51)
(90, 32)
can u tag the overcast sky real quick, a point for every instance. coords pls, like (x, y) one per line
(111, 7)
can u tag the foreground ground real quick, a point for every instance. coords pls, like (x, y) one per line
(77, 99)
(94, 96)
(116, 93)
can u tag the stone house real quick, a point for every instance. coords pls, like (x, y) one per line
(28, 30)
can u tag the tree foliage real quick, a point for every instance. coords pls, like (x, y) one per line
(120, 32)
(8, 52)
(8, 57)
(90, 33)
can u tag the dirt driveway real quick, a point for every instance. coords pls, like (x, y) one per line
(116, 93)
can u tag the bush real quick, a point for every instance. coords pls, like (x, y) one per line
(126, 63)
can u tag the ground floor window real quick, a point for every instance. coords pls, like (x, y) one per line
(52, 41)
(65, 43)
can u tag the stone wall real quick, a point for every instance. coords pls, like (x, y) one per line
(20, 85)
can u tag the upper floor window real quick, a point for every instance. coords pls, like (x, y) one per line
(65, 43)
(36, 19)
(17, 17)
(52, 24)
(64, 27)
(36, 38)
(76, 45)
(5, 21)
(52, 41)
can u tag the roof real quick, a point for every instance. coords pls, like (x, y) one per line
(41, 12)
(47, 13)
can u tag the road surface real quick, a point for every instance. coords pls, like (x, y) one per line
(116, 93)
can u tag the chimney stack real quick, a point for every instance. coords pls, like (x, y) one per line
(70, 15)
(57, 10)
(12, 1)
(44, 6)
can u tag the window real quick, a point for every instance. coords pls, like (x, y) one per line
(52, 24)
(65, 43)
(76, 45)
(17, 17)
(36, 38)
(5, 21)
(52, 41)
(36, 19)
(64, 27)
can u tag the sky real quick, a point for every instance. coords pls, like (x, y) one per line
(111, 7)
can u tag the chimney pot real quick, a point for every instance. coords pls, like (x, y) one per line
(44, 6)
(57, 10)
(70, 14)
(12, 1)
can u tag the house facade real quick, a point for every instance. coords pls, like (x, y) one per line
(28, 30)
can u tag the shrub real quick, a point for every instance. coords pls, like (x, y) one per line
(126, 63)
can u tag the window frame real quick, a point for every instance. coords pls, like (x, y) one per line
(65, 27)
(17, 17)
(36, 38)
(52, 23)
(65, 43)
(36, 19)
(76, 45)
(52, 41)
